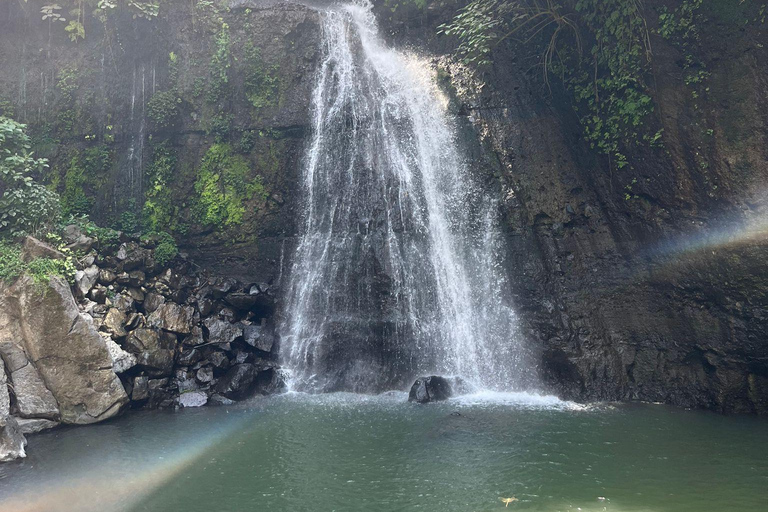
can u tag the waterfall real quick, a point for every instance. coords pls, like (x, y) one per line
(128, 188)
(398, 269)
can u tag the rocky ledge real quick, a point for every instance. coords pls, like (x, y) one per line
(130, 333)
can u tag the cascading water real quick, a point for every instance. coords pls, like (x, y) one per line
(128, 192)
(398, 269)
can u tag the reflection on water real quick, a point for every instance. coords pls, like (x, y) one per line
(348, 452)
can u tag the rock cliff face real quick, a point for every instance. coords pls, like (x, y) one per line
(648, 282)
(175, 113)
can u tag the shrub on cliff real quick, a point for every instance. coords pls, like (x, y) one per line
(25, 205)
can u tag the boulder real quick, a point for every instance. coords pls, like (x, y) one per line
(172, 317)
(154, 350)
(12, 441)
(106, 277)
(136, 294)
(81, 244)
(34, 248)
(121, 360)
(115, 323)
(63, 348)
(136, 278)
(98, 294)
(193, 399)
(152, 301)
(217, 399)
(33, 398)
(140, 388)
(185, 381)
(189, 356)
(5, 398)
(221, 286)
(219, 360)
(205, 306)
(241, 300)
(258, 337)
(270, 381)
(222, 333)
(125, 303)
(195, 337)
(159, 394)
(238, 382)
(204, 375)
(430, 389)
(86, 279)
(34, 425)
(131, 256)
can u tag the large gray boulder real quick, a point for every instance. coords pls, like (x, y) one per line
(64, 348)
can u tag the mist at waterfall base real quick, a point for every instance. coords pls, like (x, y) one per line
(346, 452)
(399, 267)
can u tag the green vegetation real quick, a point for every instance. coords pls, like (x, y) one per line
(166, 248)
(85, 171)
(223, 185)
(261, 86)
(40, 269)
(11, 266)
(26, 207)
(219, 67)
(598, 49)
(163, 107)
(160, 212)
(72, 13)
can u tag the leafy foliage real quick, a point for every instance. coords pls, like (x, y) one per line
(166, 248)
(223, 185)
(11, 266)
(84, 172)
(163, 108)
(40, 269)
(159, 210)
(25, 205)
(219, 66)
(261, 86)
(599, 49)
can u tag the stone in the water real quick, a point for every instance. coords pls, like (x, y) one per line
(430, 389)
(193, 399)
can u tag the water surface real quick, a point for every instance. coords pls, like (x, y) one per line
(346, 452)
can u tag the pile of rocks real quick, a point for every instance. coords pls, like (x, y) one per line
(178, 336)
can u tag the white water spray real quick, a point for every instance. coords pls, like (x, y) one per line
(398, 269)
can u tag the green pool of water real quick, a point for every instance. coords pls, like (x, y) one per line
(353, 453)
